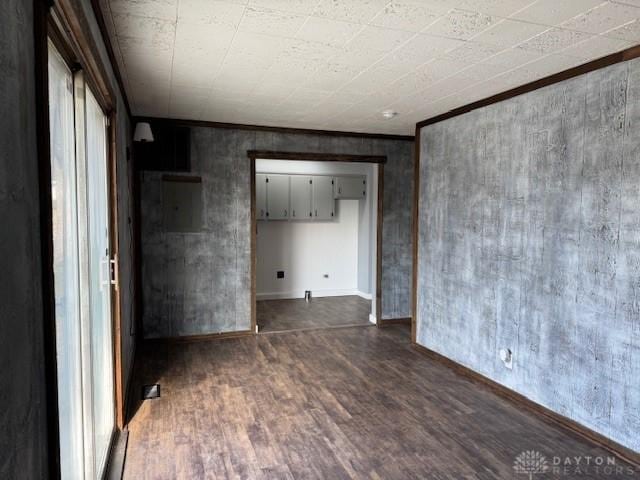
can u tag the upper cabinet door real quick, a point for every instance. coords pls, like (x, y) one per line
(278, 197)
(350, 187)
(323, 202)
(261, 196)
(301, 197)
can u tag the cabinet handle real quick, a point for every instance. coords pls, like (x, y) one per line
(339, 190)
(262, 212)
(293, 213)
(285, 213)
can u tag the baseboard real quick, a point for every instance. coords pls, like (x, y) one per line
(366, 296)
(300, 294)
(200, 338)
(386, 322)
(586, 433)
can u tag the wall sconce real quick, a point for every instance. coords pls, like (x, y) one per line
(143, 132)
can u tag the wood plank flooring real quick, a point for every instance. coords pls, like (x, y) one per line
(329, 404)
(296, 314)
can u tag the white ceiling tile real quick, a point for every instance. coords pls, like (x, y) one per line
(500, 8)
(152, 32)
(471, 52)
(203, 37)
(629, 32)
(602, 18)
(255, 49)
(461, 24)
(372, 80)
(360, 56)
(308, 50)
(293, 6)
(512, 58)
(291, 71)
(361, 11)
(553, 40)
(596, 47)
(272, 22)
(326, 30)
(309, 96)
(164, 9)
(554, 12)
(407, 15)
(332, 76)
(552, 64)
(210, 12)
(379, 39)
(509, 32)
(420, 49)
(635, 3)
(191, 59)
(428, 74)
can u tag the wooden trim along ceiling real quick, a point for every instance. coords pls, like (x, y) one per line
(520, 400)
(324, 157)
(264, 128)
(618, 57)
(97, 11)
(316, 157)
(75, 31)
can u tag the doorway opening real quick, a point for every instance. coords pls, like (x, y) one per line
(316, 223)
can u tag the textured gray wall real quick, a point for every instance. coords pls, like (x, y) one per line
(23, 442)
(530, 240)
(199, 283)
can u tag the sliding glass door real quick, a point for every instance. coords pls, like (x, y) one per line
(100, 278)
(82, 272)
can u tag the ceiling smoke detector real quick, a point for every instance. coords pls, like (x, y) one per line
(389, 114)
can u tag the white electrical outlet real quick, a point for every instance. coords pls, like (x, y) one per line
(507, 357)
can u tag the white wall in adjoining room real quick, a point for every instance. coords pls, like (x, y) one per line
(343, 249)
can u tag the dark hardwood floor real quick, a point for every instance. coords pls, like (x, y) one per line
(330, 404)
(296, 314)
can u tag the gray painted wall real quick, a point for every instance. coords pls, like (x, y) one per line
(23, 442)
(530, 240)
(199, 283)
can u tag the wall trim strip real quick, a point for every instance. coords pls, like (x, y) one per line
(316, 157)
(387, 322)
(265, 128)
(618, 57)
(199, 338)
(520, 400)
(97, 11)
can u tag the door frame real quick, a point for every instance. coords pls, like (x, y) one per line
(379, 160)
(69, 31)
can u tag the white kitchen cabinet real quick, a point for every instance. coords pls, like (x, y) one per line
(353, 188)
(261, 196)
(278, 197)
(322, 196)
(301, 186)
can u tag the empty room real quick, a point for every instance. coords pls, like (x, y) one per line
(320, 239)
